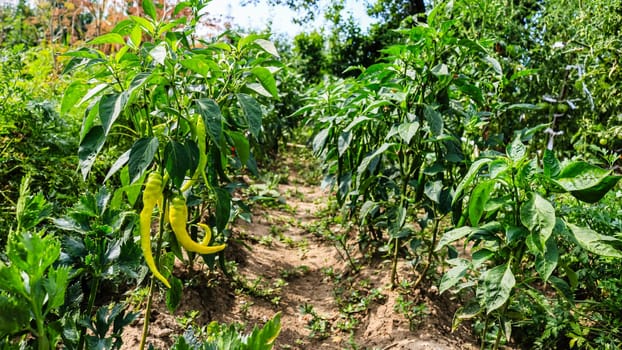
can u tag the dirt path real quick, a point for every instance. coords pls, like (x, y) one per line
(284, 263)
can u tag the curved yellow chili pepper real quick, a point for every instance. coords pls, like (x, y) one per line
(151, 195)
(208, 234)
(178, 214)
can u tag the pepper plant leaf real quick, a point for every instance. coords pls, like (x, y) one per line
(495, 286)
(595, 242)
(266, 79)
(547, 262)
(141, 156)
(470, 176)
(212, 118)
(177, 161)
(479, 198)
(110, 108)
(586, 182)
(252, 112)
(90, 146)
(538, 215)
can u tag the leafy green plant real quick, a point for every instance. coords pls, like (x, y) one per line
(183, 108)
(224, 337)
(32, 289)
(517, 235)
(99, 246)
(390, 140)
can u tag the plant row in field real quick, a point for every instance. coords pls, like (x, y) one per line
(405, 145)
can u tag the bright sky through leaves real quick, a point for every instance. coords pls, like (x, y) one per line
(260, 15)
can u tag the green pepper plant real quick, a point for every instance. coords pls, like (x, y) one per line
(181, 106)
(391, 140)
(515, 237)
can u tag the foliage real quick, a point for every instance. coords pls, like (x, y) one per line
(32, 289)
(517, 236)
(182, 107)
(35, 139)
(98, 245)
(568, 51)
(309, 47)
(224, 337)
(390, 139)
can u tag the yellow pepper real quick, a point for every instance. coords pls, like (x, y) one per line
(178, 214)
(151, 195)
(208, 234)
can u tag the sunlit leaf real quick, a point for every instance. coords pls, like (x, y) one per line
(141, 156)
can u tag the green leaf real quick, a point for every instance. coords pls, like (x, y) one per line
(440, 70)
(55, 285)
(73, 93)
(241, 144)
(136, 36)
(551, 164)
(266, 79)
(258, 88)
(263, 339)
(177, 162)
(141, 156)
(144, 24)
(15, 315)
(212, 118)
(118, 164)
(479, 257)
(522, 106)
(562, 287)
(319, 141)
(453, 276)
(174, 294)
(407, 131)
(538, 215)
(244, 41)
(516, 150)
(159, 53)
(494, 64)
(93, 92)
(110, 108)
(367, 160)
(495, 286)
(90, 146)
(108, 38)
(197, 65)
(595, 242)
(434, 119)
(253, 113)
(132, 191)
(547, 262)
(343, 142)
(268, 46)
(149, 9)
(585, 181)
(223, 208)
(454, 235)
(470, 175)
(433, 190)
(479, 198)
(181, 6)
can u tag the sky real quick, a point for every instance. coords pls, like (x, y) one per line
(258, 16)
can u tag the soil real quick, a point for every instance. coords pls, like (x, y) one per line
(284, 262)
